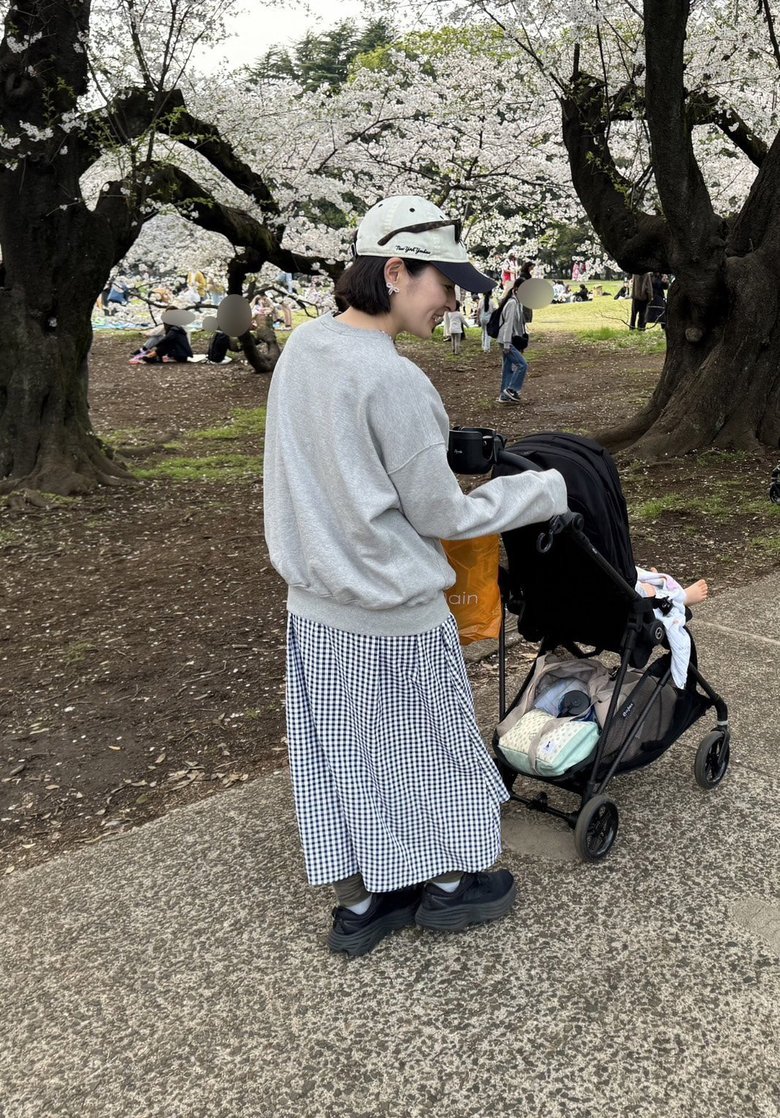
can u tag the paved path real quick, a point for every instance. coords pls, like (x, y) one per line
(181, 972)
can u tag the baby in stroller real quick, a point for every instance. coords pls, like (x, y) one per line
(652, 584)
(670, 603)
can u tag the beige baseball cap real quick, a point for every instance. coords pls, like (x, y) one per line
(414, 228)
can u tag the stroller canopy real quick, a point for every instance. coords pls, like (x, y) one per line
(582, 589)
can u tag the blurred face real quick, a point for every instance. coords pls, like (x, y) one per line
(422, 300)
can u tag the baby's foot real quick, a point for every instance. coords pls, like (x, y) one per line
(648, 588)
(696, 593)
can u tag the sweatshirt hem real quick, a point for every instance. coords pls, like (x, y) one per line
(397, 621)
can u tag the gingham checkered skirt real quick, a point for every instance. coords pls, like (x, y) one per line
(390, 775)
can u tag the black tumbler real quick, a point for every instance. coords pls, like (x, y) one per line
(474, 450)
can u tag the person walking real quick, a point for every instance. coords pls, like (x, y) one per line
(508, 271)
(513, 339)
(397, 799)
(641, 294)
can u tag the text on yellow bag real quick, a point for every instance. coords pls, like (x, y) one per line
(475, 599)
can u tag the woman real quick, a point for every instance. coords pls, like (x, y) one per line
(513, 338)
(396, 797)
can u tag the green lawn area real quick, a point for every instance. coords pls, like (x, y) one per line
(577, 318)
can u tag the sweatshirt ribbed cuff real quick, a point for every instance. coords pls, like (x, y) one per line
(398, 621)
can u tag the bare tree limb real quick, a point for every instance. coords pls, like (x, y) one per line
(126, 117)
(764, 8)
(172, 186)
(638, 241)
(684, 196)
(206, 139)
(705, 109)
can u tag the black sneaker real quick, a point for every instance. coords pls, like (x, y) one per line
(480, 897)
(358, 934)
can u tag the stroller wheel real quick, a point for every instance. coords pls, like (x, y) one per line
(596, 829)
(712, 759)
(774, 493)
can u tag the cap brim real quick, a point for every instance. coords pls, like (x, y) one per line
(465, 276)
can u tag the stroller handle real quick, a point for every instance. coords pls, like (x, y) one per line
(557, 524)
(513, 459)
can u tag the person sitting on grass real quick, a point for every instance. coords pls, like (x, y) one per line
(174, 346)
(153, 336)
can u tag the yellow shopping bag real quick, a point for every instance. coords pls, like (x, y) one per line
(475, 599)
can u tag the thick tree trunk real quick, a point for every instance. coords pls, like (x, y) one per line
(46, 439)
(262, 357)
(687, 348)
(54, 268)
(724, 389)
(260, 360)
(720, 384)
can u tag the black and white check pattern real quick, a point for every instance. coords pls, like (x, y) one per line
(390, 775)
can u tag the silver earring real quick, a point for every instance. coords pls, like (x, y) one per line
(392, 288)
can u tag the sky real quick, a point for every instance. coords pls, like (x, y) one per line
(255, 31)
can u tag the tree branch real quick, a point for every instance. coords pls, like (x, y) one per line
(205, 138)
(703, 108)
(758, 225)
(763, 6)
(638, 241)
(172, 186)
(686, 203)
(139, 110)
(127, 117)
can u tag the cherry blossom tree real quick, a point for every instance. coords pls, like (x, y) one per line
(669, 115)
(432, 114)
(86, 89)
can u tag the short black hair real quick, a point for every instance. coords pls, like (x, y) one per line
(363, 286)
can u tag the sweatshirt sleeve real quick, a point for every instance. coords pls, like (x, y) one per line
(434, 504)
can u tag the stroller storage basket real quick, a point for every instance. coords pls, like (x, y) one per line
(651, 714)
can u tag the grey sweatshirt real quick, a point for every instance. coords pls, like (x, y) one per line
(358, 492)
(512, 322)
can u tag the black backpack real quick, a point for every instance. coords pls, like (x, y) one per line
(494, 323)
(218, 348)
(593, 488)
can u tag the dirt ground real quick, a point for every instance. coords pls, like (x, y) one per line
(142, 629)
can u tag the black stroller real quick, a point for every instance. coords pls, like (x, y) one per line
(571, 583)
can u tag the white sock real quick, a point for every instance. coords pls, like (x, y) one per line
(360, 907)
(448, 886)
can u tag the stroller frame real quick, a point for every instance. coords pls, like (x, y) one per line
(595, 822)
(476, 450)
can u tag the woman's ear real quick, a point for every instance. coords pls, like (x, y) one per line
(394, 268)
